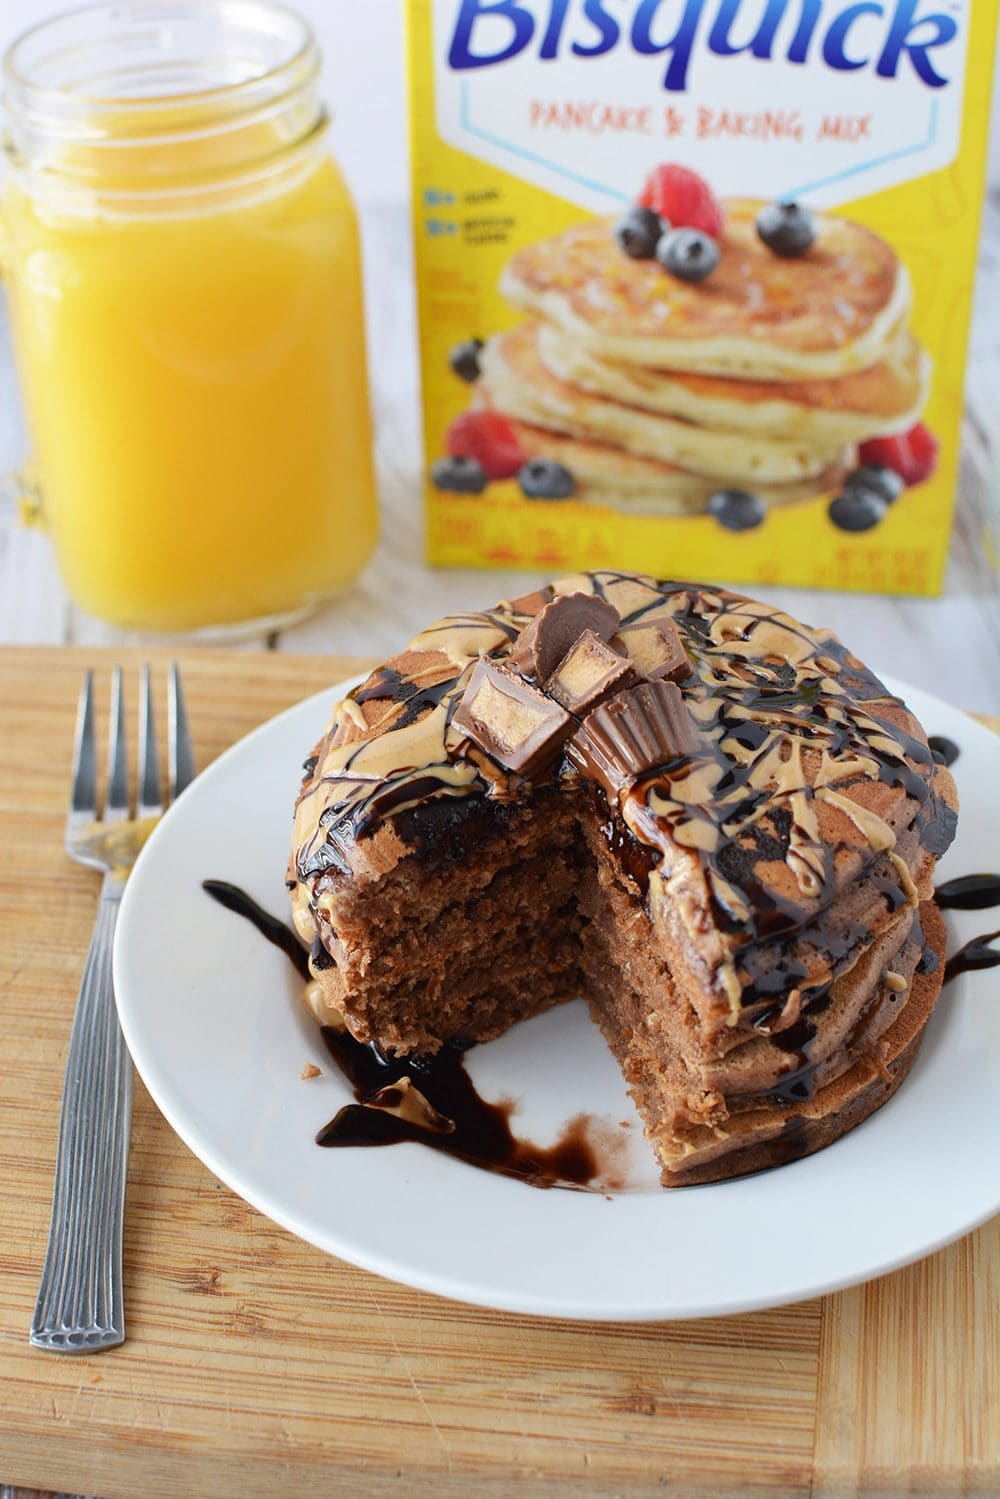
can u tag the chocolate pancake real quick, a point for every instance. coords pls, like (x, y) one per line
(823, 314)
(709, 818)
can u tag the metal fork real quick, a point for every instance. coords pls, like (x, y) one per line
(80, 1303)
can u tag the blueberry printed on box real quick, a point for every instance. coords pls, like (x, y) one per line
(698, 270)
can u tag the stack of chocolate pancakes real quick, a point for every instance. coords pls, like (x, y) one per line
(710, 819)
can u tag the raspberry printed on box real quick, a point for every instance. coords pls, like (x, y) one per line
(694, 280)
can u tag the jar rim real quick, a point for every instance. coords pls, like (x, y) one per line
(66, 109)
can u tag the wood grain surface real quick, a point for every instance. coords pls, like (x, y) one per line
(258, 1366)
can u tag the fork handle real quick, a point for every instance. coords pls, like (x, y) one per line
(80, 1305)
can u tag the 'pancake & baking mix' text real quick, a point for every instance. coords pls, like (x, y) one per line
(694, 281)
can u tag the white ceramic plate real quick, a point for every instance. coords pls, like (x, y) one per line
(214, 1019)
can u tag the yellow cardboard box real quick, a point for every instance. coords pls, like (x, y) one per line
(531, 118)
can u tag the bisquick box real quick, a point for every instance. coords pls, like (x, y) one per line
(790, 417)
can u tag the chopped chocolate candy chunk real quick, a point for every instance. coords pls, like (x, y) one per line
(511, 720)
(589, 673)
(544, 642)
(655, 649)
(641, 728)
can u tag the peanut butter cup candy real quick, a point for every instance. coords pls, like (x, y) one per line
(711, 820)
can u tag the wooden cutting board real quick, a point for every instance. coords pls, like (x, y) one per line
(258, 1366)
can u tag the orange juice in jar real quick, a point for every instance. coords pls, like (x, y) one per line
(182, 263)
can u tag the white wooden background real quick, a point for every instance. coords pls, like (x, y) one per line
(950, 645)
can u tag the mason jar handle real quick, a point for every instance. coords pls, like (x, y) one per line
(20, 500)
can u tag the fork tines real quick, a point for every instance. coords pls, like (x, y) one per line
(149, 799)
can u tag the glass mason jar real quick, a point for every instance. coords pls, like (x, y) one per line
(183, 270)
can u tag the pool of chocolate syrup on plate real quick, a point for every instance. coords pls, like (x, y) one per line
(479, 1131)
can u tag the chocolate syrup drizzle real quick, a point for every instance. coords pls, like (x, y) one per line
(944, 750)
(235, 899)
(797, 1084)
(769, 698)
(971, 892)
(975, 954)
(459, 1122)
(929, 961)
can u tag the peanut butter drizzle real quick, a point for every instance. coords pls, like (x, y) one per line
(789, 725)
